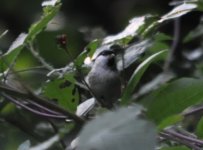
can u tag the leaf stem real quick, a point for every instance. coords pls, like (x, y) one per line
(39, 58)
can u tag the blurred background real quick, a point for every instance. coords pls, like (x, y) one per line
(82, 21)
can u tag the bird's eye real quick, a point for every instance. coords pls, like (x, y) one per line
(106, 52)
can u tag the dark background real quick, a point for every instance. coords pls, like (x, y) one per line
(81, 20)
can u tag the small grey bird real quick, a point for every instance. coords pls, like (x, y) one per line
(104, 79)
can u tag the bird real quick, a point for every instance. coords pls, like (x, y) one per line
(104, 79)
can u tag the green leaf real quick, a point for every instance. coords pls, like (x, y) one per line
(48, 15)
(199, 129)
(8, 59)
(173, 98)
(64, 91)
(119, 130)
(170, 121)
(175, 148)
(135, 78)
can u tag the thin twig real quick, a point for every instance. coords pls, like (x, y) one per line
(176, 39)
(39, 58)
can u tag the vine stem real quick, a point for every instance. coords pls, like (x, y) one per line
(31, 109)
(43, 102)
(183, 139)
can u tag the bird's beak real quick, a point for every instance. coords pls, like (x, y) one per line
(112, 56)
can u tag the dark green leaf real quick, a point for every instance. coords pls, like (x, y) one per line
(135, 78)
(64, 91)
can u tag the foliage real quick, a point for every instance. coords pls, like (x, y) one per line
(161, 103)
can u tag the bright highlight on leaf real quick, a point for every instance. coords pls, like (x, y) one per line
(178, 11)
(18, 42)
(9, 58)
(130, 30)
(49, 3)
